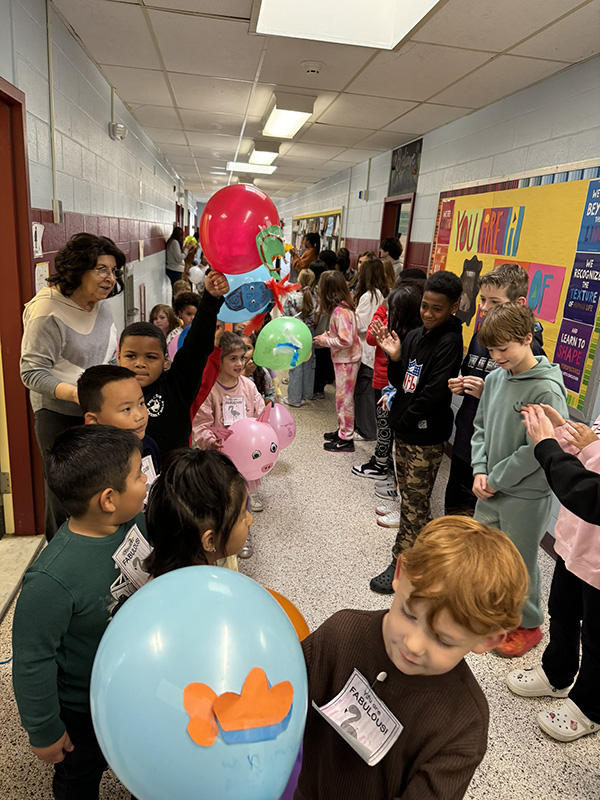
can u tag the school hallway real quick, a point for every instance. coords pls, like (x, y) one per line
(318, 544)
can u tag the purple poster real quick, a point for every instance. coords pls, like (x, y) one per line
(571, 352)
(589, 233)
(581, 302)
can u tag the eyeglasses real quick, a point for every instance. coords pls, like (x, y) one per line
(104, 272)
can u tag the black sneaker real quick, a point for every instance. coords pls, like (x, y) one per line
(340, 446)
(371, 470)
(331, 437)
(382, 584)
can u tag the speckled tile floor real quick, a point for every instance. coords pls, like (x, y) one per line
(318, 544)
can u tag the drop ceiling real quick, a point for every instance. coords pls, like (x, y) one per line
(199, 80)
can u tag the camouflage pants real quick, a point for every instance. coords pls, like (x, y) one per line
(416, 469)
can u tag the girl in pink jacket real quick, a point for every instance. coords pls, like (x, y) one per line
(574, 608)
(342, 338)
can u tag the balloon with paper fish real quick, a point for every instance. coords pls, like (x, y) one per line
(216, 700)
(283, 343)
(252, 295)
(232, 220)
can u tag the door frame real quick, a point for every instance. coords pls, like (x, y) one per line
(388, 220)
(18, 288)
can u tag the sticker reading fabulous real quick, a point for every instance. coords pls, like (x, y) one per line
(362, 719)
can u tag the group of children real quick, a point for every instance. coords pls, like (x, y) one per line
(459, 584)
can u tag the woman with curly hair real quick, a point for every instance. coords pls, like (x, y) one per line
(66, 329)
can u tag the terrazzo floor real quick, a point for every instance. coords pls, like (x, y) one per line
(318, 544)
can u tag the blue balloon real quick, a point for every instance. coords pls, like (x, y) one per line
(260, 275)
(206, 625)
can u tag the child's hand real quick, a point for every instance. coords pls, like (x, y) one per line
(318, 339)
(481, 487)
(473, 386)
(456, 385)
(553, 415)
(218, 444)
(389, 343)
(218, 333)
(216, 284)
(55, 753)
(580, 435)
(537, 423)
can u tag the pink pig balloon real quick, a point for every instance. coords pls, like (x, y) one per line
(252, 445)
(283, 424)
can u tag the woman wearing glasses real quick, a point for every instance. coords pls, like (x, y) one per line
(68, 328)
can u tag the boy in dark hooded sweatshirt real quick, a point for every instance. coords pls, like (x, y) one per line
(512, 490)
(421, 411)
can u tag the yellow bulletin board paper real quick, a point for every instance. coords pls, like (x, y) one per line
(545, 230)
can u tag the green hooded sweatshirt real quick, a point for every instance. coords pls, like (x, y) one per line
(500, 447)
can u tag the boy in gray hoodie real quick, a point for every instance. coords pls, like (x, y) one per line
(512, 491)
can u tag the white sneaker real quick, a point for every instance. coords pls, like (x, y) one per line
(387, 493)
(247, 550)
(256, 503)
(533, 683)
(567, 723)
(383, 484)
(391, 520)
(386, 508)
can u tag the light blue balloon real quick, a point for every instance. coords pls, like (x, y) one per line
(194, 625)
(235, 281)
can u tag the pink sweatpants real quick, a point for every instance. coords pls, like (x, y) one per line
(345, 378)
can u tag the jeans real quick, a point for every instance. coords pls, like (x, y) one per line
(48, 425)
(302, 380)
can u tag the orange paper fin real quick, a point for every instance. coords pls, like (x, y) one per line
(258, 706)
(198, 701)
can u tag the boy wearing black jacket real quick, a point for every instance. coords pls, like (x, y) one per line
(169, 395)
(421, 413)
(503, 284)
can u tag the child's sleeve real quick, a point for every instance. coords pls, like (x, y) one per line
(363, 313)
(209, 377)
(269, 387)
(577, 488)
(381, 315)
(205, 418)
(478, 453)
(510, 471)
(342, 329)
(190, 360)
(42, 618)
(258, 401)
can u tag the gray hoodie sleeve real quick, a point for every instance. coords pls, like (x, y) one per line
(41, 348)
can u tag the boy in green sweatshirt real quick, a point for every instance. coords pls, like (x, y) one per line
(64, 605)
(512, 491)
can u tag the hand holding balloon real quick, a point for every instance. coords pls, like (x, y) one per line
(216, 284)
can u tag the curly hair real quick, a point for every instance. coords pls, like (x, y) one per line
(80, 254)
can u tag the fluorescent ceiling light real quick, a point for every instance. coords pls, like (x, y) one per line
(263, 151)
(259, 169)
(379, 23)
(286, 114)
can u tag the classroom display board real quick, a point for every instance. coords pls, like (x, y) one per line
(327, 224)
(553, 232)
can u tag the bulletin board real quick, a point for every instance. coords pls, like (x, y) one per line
(327, 224)
(553, 231)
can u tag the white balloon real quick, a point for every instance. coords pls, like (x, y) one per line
(196, 274)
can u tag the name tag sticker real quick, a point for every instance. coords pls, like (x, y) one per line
(234, 409)
(362, 720)
(131, 554)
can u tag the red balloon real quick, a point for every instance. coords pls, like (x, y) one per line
(230, 223)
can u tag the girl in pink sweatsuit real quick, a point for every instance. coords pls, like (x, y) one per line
(346, 349)
(574, 608)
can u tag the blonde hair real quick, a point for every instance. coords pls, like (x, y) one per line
(473, 571)
(306, 279)
(509, 322)
(169, 314)
(333, 292)
(180, 286)
(510, 277)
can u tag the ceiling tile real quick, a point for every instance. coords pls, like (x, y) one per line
(316, 151)
(334, 134)
(416, 71)
(572, 39)
(157, 116)
(283, 63)
(212, 141)
(362, 111)
(185, 162)
(226, 8)
(139, 85)
(355, 156)
(386, 140)
(228, 124)
(488, 24)
(203, 46)
(176, 150)
(128, 44)
(426, 117)
(166, 136)
(300, 163)
(210, 94)
(501, 77)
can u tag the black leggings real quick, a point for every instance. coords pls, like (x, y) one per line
(385, 436)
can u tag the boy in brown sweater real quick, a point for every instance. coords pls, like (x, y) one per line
(459, 589)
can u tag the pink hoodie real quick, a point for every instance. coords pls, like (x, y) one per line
(578, 542)
(342, 336)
